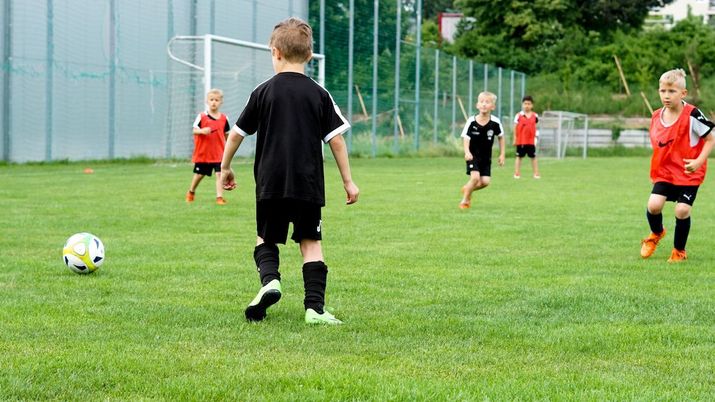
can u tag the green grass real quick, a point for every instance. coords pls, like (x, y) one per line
(537, 292)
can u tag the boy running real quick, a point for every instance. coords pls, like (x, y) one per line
(292, 115)
(681, 140)
(478, 137)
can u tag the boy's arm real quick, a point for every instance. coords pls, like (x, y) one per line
(202, 131)
(340, 152)
(514, 135)
(228, 179)
(502, 150)
(692, 165)
(467, 155)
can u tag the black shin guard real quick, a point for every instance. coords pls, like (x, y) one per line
(267, 262)
(682, 229)
(315, 276)
(655, 222)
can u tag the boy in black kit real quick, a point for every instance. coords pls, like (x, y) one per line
(292, 114)
(478, 137)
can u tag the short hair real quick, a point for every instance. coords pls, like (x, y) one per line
(674, 77)
(215, 91)
(489, 94)
(294, 38)
(527, 98)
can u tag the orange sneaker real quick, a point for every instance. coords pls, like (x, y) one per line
(649, 244)
(221, 201)
(189, 196)
(677, 255)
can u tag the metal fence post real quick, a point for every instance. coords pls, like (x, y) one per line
(112, 75)
(511, 100)
(558, 136)
(454, 93)
(499, 92)
(321, 39)
(375, 61)
(7, 61)
(417, 74)
(351, 51)
(50, 55)
(585, 138)
(396, 115)
(471, 82)
(436, 96)
(486, 77)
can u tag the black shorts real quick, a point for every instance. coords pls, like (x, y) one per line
(273, 217)
(526, 150)
(483, 166)
(672, 192)
(206, 169)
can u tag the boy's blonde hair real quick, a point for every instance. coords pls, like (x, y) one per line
(674, 77)
(488, 94)
(214, 91)
(294, 38)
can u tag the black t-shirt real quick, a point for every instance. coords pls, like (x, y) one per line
(481, 138)
(292, 114)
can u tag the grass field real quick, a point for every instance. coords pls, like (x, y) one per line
(537, 292)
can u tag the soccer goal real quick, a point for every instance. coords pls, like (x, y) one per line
(559, 131)
(199, 63)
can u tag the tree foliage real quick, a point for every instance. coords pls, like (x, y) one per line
(524, 34)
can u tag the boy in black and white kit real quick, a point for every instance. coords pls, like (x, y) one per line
(292, 115)
(478, 137)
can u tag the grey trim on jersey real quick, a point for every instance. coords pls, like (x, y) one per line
(343, 128)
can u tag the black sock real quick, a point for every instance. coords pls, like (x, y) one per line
(682, 229)
(655, 222)
(315, 276)
(267, 261)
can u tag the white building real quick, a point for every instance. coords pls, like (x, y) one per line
(679, 10)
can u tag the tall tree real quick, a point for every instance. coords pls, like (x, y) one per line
(523, 34)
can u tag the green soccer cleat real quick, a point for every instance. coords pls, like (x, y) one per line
(266, 297)
(312, 317)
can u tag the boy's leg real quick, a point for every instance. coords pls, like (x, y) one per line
(484, 181)
(192, 187)
(517, 167)
(535, 167)
(470, 186)
(267, 261)
(682, 225)
(272, 228)
(656, 202)
(315, 275)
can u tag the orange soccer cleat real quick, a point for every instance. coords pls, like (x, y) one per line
(189, 196)
(221, 201)
(464, 205)
(677, 255)
(649, 244)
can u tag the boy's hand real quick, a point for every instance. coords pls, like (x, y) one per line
(691, 165)
(352, 192)
(501, 160)
(468, 156)
(228, 180)
(206, 130)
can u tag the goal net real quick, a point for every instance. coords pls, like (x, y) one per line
(200, 63)
(560, 131)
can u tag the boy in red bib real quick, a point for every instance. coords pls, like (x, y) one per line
(210, 128)
(681, 139)
(525, 136)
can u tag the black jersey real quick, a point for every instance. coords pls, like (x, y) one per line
(292, 114)
(481, 138)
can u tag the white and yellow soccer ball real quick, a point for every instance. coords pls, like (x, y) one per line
(83, 253)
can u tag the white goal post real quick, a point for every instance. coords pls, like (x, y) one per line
(199, 63)
(560, 130)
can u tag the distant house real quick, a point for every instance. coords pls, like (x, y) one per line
(680, 9)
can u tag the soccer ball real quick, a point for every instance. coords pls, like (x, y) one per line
(83, 253)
